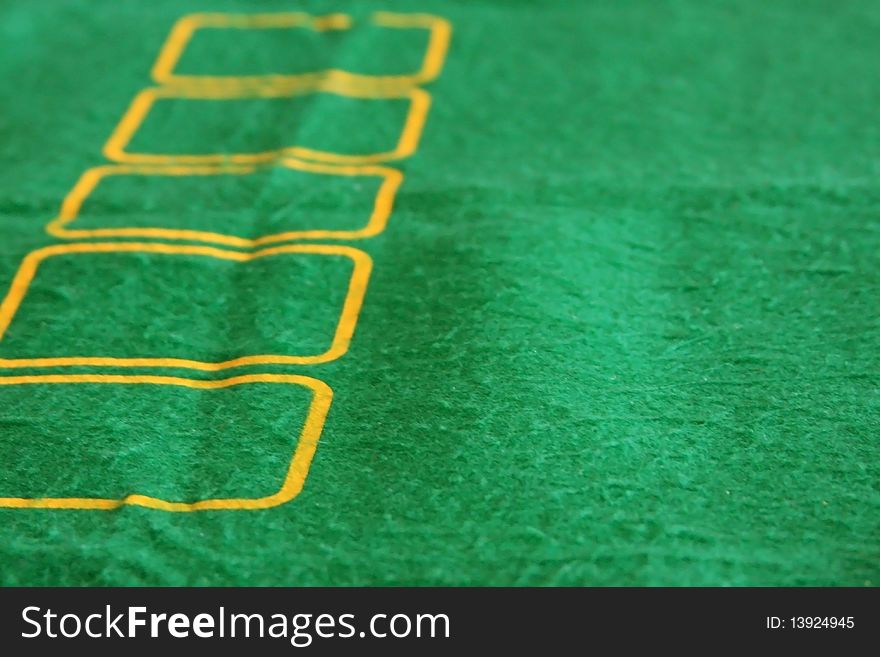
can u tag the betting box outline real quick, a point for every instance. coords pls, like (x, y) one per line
(186, 28)
(135, 115)
(339, 345)
(297, 471)
(92, 178)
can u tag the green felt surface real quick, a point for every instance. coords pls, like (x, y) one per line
(263, 202)
(622, 327)
(320, 121)
(205, 437)
(372, 50)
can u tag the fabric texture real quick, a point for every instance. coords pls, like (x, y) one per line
(621, 327)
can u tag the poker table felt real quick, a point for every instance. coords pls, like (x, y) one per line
(605, 315)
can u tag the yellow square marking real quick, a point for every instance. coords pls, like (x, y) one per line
(297, 471)
(439, 33)
(89, 181)
(351, 308)
(115, 148)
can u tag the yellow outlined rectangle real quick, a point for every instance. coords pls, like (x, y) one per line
(439, 33)
(91, 179)
(294, 479)
(115, 148)
(341, 340)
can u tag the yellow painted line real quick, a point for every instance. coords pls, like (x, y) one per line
(116, 147)
(294, 479)
(351, 307)
(72, 204)
(439, 34)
